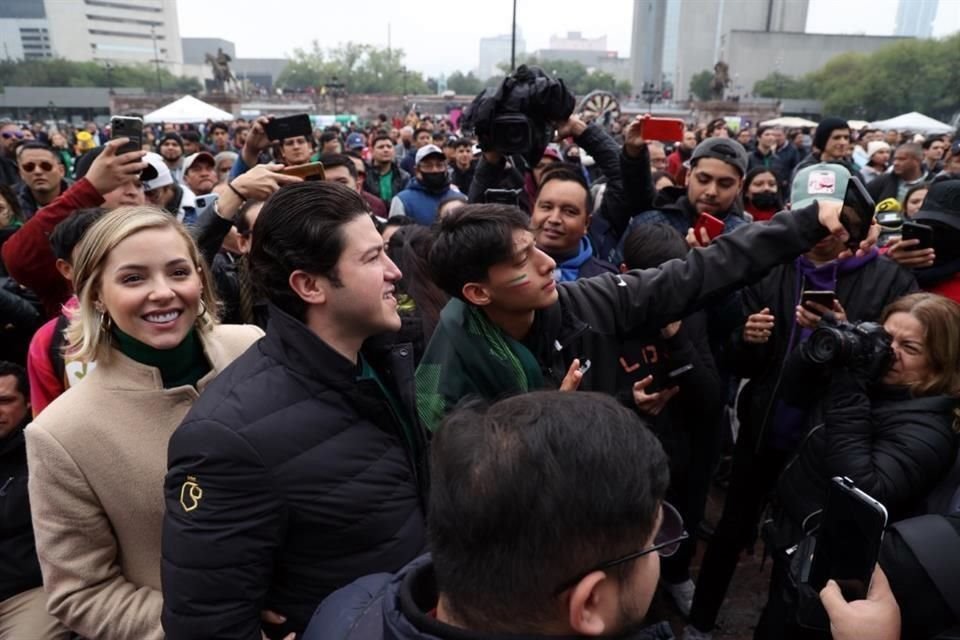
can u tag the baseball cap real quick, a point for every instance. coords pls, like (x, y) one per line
(428, 150)
(823, 181)
(193, 157)
(355, 141)
(161, 172)
(85, 161)
(942, 204)
(85, 140)
(723, 149)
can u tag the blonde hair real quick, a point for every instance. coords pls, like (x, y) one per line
(87, 336)
(940, 317)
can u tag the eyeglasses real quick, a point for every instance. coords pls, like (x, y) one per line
(666, 543)
(12, 134)
(28, 167)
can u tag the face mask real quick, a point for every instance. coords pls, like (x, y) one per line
(438, 181)
(765, 200)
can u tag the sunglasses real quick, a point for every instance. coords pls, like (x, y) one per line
(13, 134)
(28, 167)
(666, 543)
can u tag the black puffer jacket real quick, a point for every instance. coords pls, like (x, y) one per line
(19, 570)
(893, 446)
(309, 481)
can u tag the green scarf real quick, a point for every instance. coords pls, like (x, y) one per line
(470, 356)
(183, 365)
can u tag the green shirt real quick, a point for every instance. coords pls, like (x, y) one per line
(369, 373)
(386, 186)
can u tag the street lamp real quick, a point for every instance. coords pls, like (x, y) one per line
(156, 58)
(513, 39)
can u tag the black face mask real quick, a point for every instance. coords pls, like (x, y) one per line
(435, 181)
(765, 200)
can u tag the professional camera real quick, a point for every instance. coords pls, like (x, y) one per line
(864, 346)
(516, 117)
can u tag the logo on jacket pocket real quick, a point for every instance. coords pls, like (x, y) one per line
(190, 494)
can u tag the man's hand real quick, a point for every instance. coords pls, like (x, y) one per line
(759, 327)
(829, 215)
(571, 381)
(257, 141)
(262, 181)
(272, 617)
(110, 171)
(572, 128)
(809, 316)
(905, 253)
(671, 329)
(876, 618)
(698, 242)
(652, 403)
(633, 142)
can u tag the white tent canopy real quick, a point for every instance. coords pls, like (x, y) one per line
(913, 121)
(789, 121)
(186, 110)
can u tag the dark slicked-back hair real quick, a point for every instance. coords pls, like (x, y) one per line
(18, 372)
(68, 234)
(331, 160)
(301, 228)
(471, 240)
(650, 245)
(531, 492)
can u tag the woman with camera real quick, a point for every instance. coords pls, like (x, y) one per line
(889, 420)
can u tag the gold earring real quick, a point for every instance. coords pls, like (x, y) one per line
(105, 322)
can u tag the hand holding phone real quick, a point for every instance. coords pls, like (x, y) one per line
(662, 129)
(714, 226)
(130, 128)
(857, 213)
(917, 231)
(278, 129)
(824, 299)
(309, 171)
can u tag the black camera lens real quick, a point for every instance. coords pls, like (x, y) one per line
(825, 345)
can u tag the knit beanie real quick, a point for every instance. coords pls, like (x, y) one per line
(825, 128)
(171, 135)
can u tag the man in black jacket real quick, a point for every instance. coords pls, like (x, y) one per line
(908, 171)
(300, 467)
(23, 604)
(831, 143)
(510, 327)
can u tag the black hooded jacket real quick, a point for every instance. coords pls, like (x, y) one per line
(18, 552)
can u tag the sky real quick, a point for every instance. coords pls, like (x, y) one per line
(442, 37)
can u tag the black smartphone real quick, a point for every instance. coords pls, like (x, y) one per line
(671, 378)
(502, 196)
(824, 298)
(858, 212)
(917, 231)
(127, 127)
(848, 541)
(289, 127)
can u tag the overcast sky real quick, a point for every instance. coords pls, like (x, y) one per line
(441, 37)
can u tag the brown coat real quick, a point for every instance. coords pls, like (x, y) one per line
(97, 458)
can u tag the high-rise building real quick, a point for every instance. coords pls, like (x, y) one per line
(496, 50)
(647, 43)
(114, 31)
(712, 23)
(915, 18)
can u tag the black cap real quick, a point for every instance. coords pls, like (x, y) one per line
(825, 128)
(171, 135)
(723, 149)
(942, 204)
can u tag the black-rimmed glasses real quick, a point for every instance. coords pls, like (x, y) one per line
(666, 543)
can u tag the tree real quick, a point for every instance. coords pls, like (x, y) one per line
(575, 75)
(362, 68)
(464, 84)
(65, 73)
(700, 84)
(779, 85)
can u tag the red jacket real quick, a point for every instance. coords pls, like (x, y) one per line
(28, 255)
(949, 288)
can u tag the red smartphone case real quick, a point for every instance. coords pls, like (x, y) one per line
(714, 226)
(662, 129)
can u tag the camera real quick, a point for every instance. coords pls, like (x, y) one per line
(516, 117)
(865, 346)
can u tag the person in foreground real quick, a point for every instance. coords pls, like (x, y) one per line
(301, 470)
(96, 455)
(546, 518)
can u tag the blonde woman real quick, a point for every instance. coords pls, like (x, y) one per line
(98, 454)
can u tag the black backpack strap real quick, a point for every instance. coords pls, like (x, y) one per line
(931, 539)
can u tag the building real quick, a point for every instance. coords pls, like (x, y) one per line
(114, 31)
(712, 23)
(749, 53)
(647, 43)
(495, 51)
(574, 41)
(592, 53)
(915, 18)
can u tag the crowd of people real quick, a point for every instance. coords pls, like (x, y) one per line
(441, 391)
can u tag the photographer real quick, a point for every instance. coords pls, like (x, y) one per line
(889, 416)
(776, 322)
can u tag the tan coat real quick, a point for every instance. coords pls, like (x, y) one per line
(97, 458)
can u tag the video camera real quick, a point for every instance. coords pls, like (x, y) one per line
(865, 346)
(516, 118)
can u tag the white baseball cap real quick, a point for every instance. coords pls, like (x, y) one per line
(162, 176)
